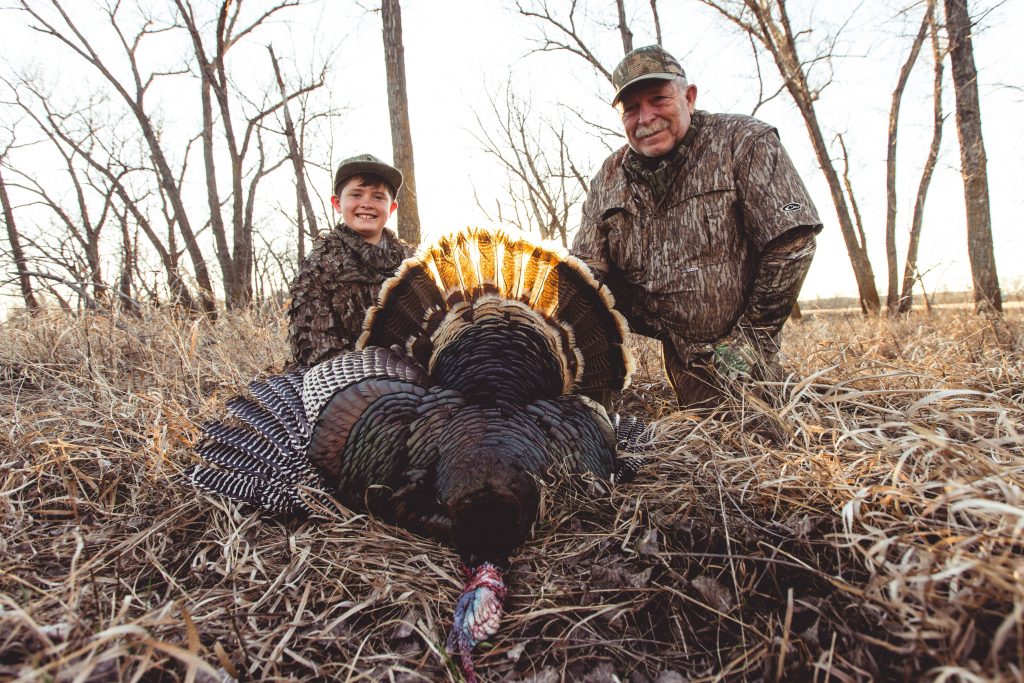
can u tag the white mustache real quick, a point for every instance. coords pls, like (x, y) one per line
(647, 131)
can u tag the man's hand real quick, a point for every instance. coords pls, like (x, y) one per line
(734, 357)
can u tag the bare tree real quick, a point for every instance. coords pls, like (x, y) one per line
(129, 175)
(657, 21)
(892, 297)
(298, 159)
(233, 142)
(768, 22)
(567, 35)
(398, 107)
(96, 141)
(17, 252)
(910, 272)
(132, 91)
(544, 184)
(79, 222)
(973, 162)
(236, 258)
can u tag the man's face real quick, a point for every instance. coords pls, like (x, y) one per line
(656, 115)
(364, 208)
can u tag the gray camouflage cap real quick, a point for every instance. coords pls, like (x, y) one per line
(367, 163)
(644, 63)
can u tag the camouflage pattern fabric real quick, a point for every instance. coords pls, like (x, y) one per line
(658, 173)
(687, 266)
(337, 282)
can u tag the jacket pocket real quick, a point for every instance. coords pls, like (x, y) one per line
(701, 302)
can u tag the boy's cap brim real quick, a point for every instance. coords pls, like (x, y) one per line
(367, 163)
(642, 64)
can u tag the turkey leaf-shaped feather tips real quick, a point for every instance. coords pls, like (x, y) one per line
(415, 309)
(477, 278)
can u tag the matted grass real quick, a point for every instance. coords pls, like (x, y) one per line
(870, 526)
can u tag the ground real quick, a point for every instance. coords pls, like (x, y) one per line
(867, 527)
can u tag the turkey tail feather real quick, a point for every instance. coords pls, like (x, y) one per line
(262, 421)
(632, 433)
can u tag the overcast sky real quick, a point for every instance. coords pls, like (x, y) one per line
(458, 51)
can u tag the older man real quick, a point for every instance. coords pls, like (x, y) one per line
(700, 226)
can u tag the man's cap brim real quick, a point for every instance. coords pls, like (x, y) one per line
(388, 173)
(659, 75)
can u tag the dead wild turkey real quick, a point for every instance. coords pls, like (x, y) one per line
(473, 381)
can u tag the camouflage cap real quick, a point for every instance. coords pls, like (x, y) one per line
(644, 63)
(367, 163)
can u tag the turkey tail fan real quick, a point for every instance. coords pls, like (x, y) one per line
(262, 461)
(476, 275)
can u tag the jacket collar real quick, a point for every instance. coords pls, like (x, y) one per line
(620, 196)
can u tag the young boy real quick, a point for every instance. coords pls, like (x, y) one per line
(342, 275)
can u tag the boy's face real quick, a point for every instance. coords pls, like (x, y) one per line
(364, 208)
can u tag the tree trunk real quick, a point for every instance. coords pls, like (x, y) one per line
(217, 228)
(297, 157)
(208, 74)
(777, 37)
(237, 291)
(973, 164)
(892, 292)
(129, 264)
(16, 251)
(627, 35)
(301, 237)
(398, 106)
(657, 21)
(236, 257)
(910, 266)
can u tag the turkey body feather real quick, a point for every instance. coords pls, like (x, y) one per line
(472, 383)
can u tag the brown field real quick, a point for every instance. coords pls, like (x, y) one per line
(868, 527)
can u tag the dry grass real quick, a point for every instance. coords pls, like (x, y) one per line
(880, 538)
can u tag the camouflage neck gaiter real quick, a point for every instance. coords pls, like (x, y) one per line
(378, 261)
(658, 173)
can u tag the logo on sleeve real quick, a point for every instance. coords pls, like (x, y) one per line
(792, 206)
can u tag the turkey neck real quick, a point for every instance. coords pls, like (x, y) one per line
(488, 480)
